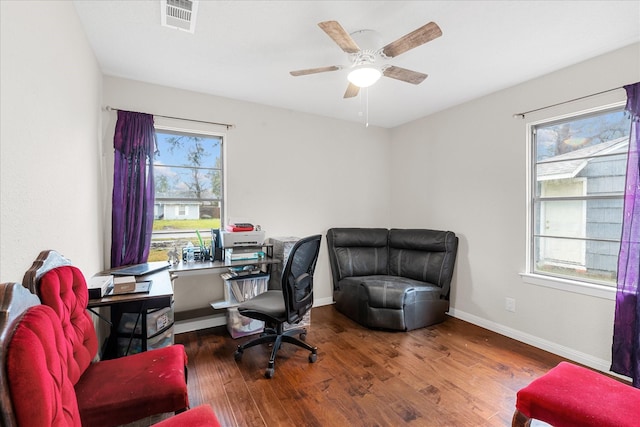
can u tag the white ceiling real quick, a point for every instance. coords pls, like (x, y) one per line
(245, 49)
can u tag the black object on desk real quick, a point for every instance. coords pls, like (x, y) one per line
(160, 295)
(140, 269)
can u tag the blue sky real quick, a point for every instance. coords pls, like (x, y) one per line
(179, 157)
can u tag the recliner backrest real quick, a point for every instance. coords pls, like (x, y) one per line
(357, 252)
(425, 255)
(297, 277)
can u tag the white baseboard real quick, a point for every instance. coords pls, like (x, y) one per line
(555, 348)
(319, 302)
(197, 323)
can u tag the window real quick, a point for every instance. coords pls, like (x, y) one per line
(577, 193)
(188, 179)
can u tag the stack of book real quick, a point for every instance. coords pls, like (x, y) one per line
(242, 255)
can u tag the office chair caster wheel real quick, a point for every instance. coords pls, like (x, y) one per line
(313, 357)
(237, 355)
(269, 372)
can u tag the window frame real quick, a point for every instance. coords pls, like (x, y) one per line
(187, 128)
(529, 276)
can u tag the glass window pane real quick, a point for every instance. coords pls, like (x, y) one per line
(188, 150)
(186, 183)
(591, 261)
(572, 135)
(188, 197)
(577, 204)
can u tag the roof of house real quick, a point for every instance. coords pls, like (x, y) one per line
(568, 165)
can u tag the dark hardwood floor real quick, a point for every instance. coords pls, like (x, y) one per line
(451, 374)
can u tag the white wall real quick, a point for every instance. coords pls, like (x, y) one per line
(50, 169)
(294, 174)
(464, 169)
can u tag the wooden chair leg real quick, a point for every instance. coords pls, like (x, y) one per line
(520, 420)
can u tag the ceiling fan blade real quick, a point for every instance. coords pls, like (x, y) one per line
(352, 90)
(340, 36)
(405, 75)
(415, 38)
(314, 70)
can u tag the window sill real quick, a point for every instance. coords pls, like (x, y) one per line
(600, 291)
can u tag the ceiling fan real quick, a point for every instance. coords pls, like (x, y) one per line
(363, 60)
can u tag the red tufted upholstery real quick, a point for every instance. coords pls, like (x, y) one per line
(37, 360)
(110, 392)
(36, 354)
(65, 290)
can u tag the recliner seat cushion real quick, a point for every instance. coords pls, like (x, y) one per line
(390, 302)
(392, 291)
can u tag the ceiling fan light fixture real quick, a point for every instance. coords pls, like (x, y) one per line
(364, 76)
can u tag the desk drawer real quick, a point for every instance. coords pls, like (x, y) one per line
(157, 320)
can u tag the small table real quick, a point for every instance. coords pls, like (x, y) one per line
(160, 295)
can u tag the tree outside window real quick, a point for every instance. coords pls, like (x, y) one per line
(188, 191)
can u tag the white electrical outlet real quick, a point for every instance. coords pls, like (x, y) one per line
(510, 304)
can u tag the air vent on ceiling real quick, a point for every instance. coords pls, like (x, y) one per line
(180, 14)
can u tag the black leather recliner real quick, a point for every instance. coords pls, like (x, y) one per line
(395, 279)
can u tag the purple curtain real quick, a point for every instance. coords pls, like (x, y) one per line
(133, 189)
(626, 327)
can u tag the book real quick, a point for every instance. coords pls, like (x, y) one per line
(124, 284)
(99, 286)
(232, 255)
(139, 287)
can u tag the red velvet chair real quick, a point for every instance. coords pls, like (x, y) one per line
(35, 389)
(109, 392)
(570, 395)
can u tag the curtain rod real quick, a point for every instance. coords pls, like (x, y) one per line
(227, 125)
(524, 113)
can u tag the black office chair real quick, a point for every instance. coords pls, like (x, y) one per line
(275, 307)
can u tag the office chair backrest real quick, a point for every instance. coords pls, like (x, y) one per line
(297, 277)
(63, 287)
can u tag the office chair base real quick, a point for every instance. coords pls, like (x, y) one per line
(277, 337)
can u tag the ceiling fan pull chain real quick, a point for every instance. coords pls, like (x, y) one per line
(366, 94)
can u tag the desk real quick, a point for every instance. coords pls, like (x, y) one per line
(211, 265)
(160, 295)
(196, 312)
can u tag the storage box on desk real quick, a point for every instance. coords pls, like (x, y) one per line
(157, 320)
(281, 248)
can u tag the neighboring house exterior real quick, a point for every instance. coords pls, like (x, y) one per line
(176, 210)
(579, 174)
